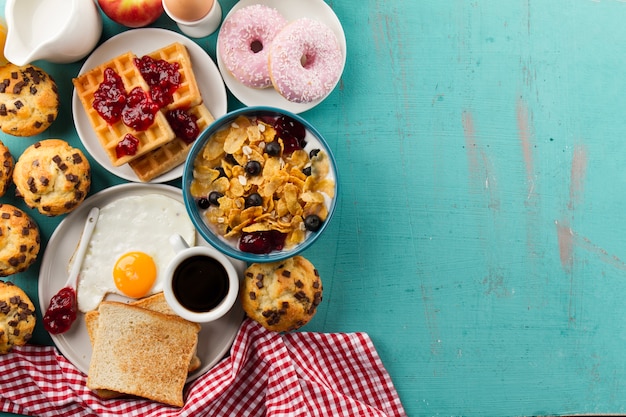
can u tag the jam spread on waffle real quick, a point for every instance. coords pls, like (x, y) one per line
(137, 109)
(161, 76)
(110, 97)
(183, 124)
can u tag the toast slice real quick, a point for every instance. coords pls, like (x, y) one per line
(154, 302)
(141, 352)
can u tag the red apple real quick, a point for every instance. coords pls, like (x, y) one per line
(132, 13)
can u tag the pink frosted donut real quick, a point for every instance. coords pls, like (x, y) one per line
(305, 61)
(244, 41)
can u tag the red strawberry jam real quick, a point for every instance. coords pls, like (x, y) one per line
(183, 124)
(162, 77)
(127, 146)
(139, 110)
(62, 311)
(262, 242)
(291, 132)
(110, 97)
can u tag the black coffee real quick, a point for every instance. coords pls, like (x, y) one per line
(200, 283)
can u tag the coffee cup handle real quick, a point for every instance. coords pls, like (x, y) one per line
(178, 243)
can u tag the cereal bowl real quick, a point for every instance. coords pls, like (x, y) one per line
(260, 184)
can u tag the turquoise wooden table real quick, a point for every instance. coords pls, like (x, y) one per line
(479, 238)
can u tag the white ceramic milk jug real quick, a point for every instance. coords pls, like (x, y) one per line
(59, 31)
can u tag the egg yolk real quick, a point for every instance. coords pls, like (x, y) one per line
(134, 274)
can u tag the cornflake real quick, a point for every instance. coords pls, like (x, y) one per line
(288, 192)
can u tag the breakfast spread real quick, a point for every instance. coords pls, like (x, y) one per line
(301, 59)
(6, 170)
(282, 296)
(141, 352)
(263, 184)
(129, 251)
(17, 317)
(20, 240)
(29, 100)
(139, 106)
(52, 177)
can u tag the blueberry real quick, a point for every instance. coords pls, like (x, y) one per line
(313, 153)
(307, 171)
(273, 148)
(203, 203)
(253, 167)
(312, 222)
(253, 199)
(214, 196)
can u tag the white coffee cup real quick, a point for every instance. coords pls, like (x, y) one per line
(201, 284)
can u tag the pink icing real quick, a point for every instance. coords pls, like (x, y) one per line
(305, 61)
(246, 29)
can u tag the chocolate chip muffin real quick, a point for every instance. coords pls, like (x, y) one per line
(19, 240)
(29, 100)
(52, 177)
(282, 296)
(17, 317)
(6, 168)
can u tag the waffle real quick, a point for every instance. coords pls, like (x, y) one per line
(172, 154)
(85, 86)
(187, 94)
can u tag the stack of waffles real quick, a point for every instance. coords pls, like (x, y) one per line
(158, 150)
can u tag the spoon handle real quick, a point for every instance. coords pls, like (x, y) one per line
(90, 225)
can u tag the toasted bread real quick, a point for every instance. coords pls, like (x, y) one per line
(141, 352)
(154, 302)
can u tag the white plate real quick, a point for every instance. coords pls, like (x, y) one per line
(214, 339)
(141, 42)
(292, 10)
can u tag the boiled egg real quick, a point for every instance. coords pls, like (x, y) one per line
(130, 250)
(188, 10)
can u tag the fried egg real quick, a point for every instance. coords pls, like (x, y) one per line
(130, 250)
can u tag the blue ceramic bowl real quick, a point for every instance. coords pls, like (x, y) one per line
(230, 248)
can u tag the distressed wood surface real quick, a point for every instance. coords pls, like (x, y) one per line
(479, 238)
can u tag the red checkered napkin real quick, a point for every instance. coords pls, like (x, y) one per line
(266, 374)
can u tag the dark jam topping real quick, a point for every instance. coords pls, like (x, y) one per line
(291, 132)
(110, 97)
(62, 312)
(162, 77)
(262, 242)
(127, 146)
(139, 110)
(183, 124)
